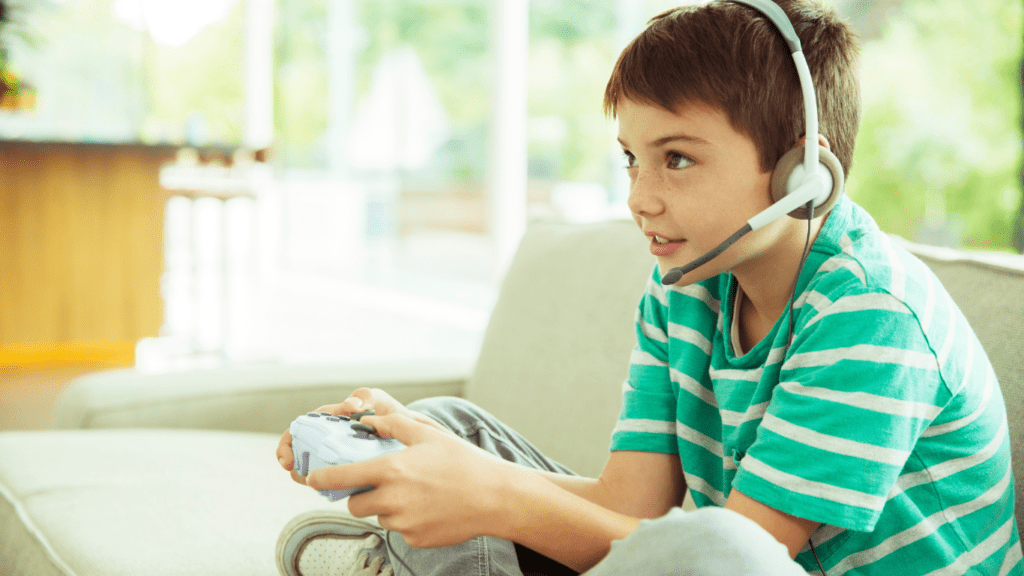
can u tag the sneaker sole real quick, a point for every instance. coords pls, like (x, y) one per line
(347, 536)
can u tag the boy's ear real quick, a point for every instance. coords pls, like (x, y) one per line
(822, 141)
(829, 167)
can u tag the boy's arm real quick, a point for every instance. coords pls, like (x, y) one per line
(558, 523)
(791, 531)
(638, 484)
(484, 495)
(579, 534)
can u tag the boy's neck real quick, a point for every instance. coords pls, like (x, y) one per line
(767, 282)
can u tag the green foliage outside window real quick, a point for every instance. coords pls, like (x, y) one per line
(453, 41)
(938, 156)
(572, 49)
(300, 83)
(939, 152)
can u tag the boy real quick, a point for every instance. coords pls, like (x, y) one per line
(838, 412)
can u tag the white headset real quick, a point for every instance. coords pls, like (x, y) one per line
(808, 173)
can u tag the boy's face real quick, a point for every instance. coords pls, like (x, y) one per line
(694, 181)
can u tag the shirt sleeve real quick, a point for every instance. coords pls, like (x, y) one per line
(647, 419)
(857, 388)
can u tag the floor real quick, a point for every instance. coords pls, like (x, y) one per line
(28, 395)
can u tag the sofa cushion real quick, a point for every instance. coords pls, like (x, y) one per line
(248, 398)
(557, 347)
(143, 502)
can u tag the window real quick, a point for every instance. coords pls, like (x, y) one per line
(129, 71)
(939, 153)
(384, 128)
(404, 88)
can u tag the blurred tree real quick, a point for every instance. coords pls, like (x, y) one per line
(196, 91)
(452, 39)
(300, 84)
(12, 87)
(7, 79)
(939, 151)
(572, 50)
(1018, 237)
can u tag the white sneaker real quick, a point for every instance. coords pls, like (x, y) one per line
(331, 543)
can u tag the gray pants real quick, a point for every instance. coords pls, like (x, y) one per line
(708, 542)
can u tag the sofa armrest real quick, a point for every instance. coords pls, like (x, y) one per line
(257, 398)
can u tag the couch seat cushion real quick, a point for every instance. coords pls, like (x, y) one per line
(143, 502)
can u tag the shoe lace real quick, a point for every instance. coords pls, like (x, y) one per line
(375, 567)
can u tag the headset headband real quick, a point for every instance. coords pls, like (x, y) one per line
(778, 17)
(773, 12)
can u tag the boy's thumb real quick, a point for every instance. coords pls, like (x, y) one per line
(400, 427)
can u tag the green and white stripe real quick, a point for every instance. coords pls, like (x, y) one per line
(881, 418)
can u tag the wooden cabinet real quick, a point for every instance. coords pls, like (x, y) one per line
(81, 247)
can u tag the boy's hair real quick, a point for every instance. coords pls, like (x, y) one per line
(732, 58)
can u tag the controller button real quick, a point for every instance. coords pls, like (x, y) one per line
(325, 414)
(313, 415)
(359, 415)
(364, 428)
(333, 419)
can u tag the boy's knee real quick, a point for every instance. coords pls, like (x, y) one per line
(441, 405)
(709, 541)
(455, 414)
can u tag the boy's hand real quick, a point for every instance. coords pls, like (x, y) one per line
(439, 491)
(365, 399)
(361, 400)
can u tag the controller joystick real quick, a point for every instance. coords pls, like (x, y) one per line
(321, 439)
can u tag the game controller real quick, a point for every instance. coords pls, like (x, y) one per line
(320, 439)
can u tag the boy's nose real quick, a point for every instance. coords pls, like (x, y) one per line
(645, 195)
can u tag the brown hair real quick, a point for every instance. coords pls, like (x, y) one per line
(732, 58)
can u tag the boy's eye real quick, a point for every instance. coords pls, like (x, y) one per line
(630, 159)
(678, 161)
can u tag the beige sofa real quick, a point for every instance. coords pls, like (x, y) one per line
(166, 474)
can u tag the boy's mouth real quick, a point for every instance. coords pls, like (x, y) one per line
(662, 246)
(662, 240)
(656, 238)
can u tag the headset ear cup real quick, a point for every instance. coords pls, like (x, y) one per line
(788, 163)
(835, 167)
(783, 170)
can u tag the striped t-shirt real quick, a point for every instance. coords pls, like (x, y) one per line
(882, 419)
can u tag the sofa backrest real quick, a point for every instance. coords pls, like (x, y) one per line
(989, 289)
(557, 347)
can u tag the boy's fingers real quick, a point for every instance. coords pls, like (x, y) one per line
(401, 428)
(361, 399)
(374, 471)
(366, 473)
(351, 405)
(284, 451)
